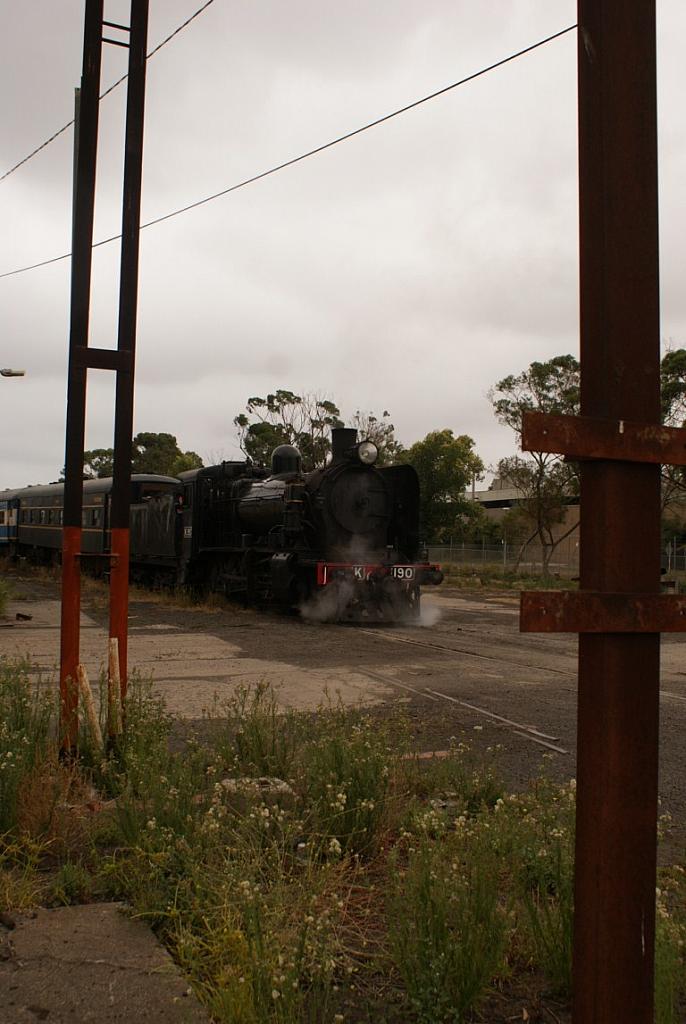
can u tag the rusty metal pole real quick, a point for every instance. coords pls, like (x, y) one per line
(82, 240)
(618, 611)
(620, 521)
(128, 304)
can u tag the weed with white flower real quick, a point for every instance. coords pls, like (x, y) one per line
(301, 868)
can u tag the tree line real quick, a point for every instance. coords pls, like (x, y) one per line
(158, 454)
(447, 464)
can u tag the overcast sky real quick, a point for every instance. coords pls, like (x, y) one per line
(407, 269)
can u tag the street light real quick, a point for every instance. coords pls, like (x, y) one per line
(12, 373)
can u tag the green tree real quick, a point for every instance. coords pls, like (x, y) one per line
(286, 418)
(446, 466)
(476, 527)
(160, 454)
(673, 399)
(99, 462)
(150, 453)
(381, 431)
(306, 421)
(673, 387)
(545, 481)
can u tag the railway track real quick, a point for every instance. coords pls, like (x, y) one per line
(527, 732)
(395, 637)
(524, 731)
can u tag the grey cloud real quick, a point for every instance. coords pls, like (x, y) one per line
(408, 269)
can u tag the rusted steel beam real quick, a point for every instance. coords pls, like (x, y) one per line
(119, 604)
(586, 437)
(614, 928)
(585, 612)
(82, 241)
(70, 637)
(126, 344)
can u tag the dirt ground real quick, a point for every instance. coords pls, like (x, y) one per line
(465, 669)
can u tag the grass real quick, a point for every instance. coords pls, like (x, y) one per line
(495, 577)
(97, 590)
(27, 715)
(5, 592)
(304, 868)
(453, 944)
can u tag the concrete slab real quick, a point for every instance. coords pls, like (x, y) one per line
(191, 670)
(77, 965)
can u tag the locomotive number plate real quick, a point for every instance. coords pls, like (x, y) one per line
(403, 572)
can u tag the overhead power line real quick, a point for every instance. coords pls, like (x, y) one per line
(309, 153)
(114, 85)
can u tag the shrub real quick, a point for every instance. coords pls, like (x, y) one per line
(535, 833)
(670, 948)
(550, 911)
(27, 719)
(71, 884)
(447, 927)
(4, 596)
(345, 780)
(255, 735)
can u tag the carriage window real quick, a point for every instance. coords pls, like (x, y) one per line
(2, 517)
(43, 516)
(188, 496)
(61, 516)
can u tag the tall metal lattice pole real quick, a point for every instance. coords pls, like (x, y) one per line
(82, 356)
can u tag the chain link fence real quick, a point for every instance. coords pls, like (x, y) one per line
(503, 556)
(674, 558)
(564, 562)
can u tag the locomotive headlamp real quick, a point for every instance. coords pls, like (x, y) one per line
(367, 453)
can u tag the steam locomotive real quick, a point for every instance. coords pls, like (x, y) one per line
(340, 543)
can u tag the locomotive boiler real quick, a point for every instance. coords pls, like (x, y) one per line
(340, 542)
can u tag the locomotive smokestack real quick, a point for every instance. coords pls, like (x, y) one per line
(342, 438)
